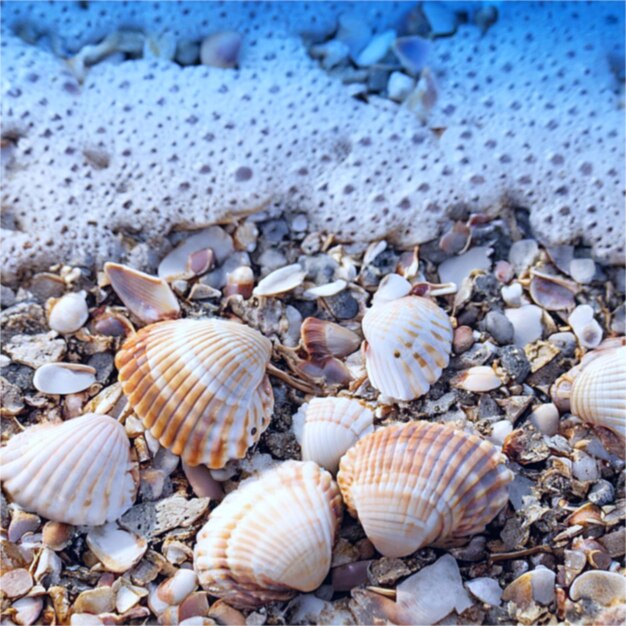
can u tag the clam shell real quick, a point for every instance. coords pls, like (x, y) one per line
(417, 484)
(598, 392)
(327, 427)
(76, 472)
(408, 343)
(200, 387)
(271, 537)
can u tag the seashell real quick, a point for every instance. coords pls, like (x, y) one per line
(27, 610)
(332, 370)
(391, 287)
(77, 472)
(327, 427)
(68, 313)
(199, 262)
(325, 291)
(418, 484)
(116, 549)
(606, 588)
(245, 553)
(478, 379)
(412, 52)
(376, 49)
(597, 394)
(457, 268)
(551, 292)
(148, 297)
(280, 281)
(535, 586)
(221, 49)
(527, 324)
(321, 338)
(240, 282)
(408, 343)
(63, 378)
(200, 387)
(585, 327)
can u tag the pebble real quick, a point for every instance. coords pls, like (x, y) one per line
(503, 271)
(478, 354)
(584, 467)
(412, 52)
(355, 32)
(601, 493)
(332, 53)
(399, 86)
(487, 590)
(274, 231)
(386, 571)
(545, 418)
(12, 400)
(499, 327)
(512, 294)
(69, 313)
(527, 325)
(271, 260)
(15, 583)
(299, 223)
(442, 20)
(187, 52)
(343, 306)
(463, 339)
(22, 318)
(7, 296)
(582, 270)
(515, 363)
(35, 350)
(376, 49)
(565, 342)
(523, 254)
(103, 363)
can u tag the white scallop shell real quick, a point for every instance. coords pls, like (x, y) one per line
(271, 537)
(200, 387)
(599, 391)
(418, 484)
(408, 343)
(327, 427)
(76, 472)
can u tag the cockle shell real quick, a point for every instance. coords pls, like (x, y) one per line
(417, 484)
(408, 343)
(327, 427)
(76, 472)
(200, 387)
(271, 537)
(599, 392)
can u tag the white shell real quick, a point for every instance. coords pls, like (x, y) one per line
(272, 536)
(118, 550)
(585, 327)
(420, 483)
(325, 291)
(327, 427)
(478, 379)
(280, 281)
(408, 343)
(68, 313)
(200, 386)
(599, 391)
(77, 472)
(63, 378)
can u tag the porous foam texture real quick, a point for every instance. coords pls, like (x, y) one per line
(530, 114)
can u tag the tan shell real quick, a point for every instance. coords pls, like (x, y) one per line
(77, 472)
(599, 392)
(408, 343)
(418, 484)
(271, 537)
(200, 387)
(327, 427)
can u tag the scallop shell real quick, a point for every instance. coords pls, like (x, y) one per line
(408, 343)
(200, 387)
(327, 427)
(77, 472)
(598, 392)
(418, 484)
(271, 537)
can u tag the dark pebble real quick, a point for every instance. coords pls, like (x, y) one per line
(515, 363)
(275, 231)
(102, 362)
(488, 408)
(342, 306)
(499, 327)
(19, 375)
(601, 493)
(385, 261)
(486, 288)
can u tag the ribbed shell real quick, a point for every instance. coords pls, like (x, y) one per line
(417, 484)
(271, 537)
(328, 427)
(408, 345)
(599, 392)
(200, 387)
(77, 472)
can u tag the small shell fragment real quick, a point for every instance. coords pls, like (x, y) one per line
(478, 379)
(240, 282)
(553, 293)
(148, 297)
(321, 338)
(174, 590)
(63, 378)
(280, 281)
(118, 550)
(585, 327)
(527, 325)
(327, 427)
(325, 291)
(606, 588)
(244, 553)
(68, 313)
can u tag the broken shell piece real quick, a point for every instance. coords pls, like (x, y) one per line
(280, 281)
(63, 378)
(77, 472)
(98, 600)
(68, 313)
(174, 590)
(202, 483)
(240, 282)
(553, 293)
(57, 535)
(200, 386)
(536, 586)
(376, 49)
(325, 291)
(221, 49)
(418, 484)
(457, 268)
(585, 327)
(606, 588)
(412, 52)
(478, 379)
(242, 554)
(27, 610)
(408, 343)
(527, 325)
(199, 262)
(327, 427)
(16, 583)
(321, 338)
(148, 297)
(332, 370)
(116, 549)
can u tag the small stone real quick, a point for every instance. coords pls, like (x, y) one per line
(11, 400)
(35, 350)
(515, 363)
(615, 542)
(7, 297)
(102, 362)
(601, 493)
(343, 306)
(463, 339)
(527, 325)
(22, 318)
(376, 49)
(399, 86)
(545, 418)
(584, 467)
(442, 19)
(187, 52)
(565, 342)
(499, 327)
(512, 294)
(585, 327)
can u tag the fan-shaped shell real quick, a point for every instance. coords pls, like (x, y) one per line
(417, 484)
(271, 537)
(408, 343)
(77, 472)
(599, 391)
(200, 387)
(327, 427)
